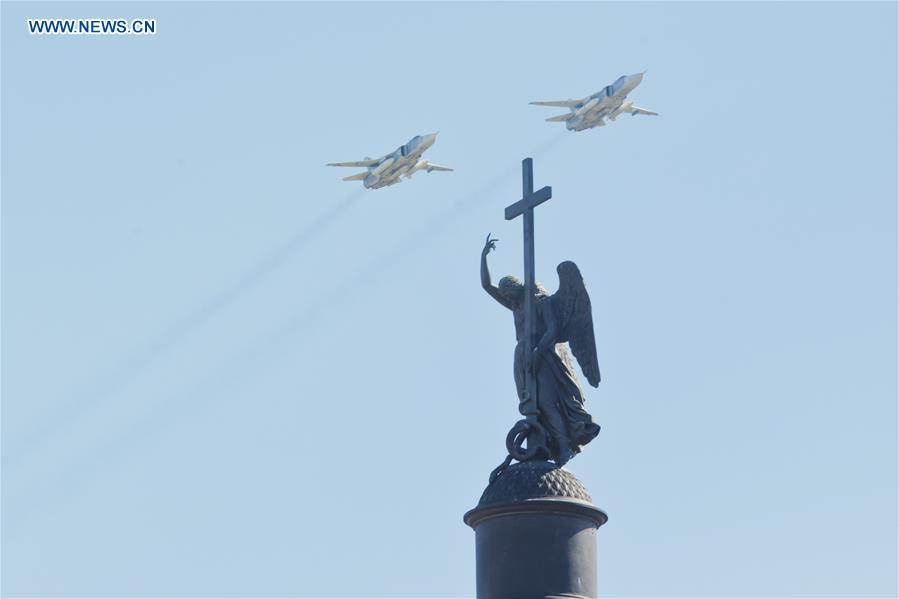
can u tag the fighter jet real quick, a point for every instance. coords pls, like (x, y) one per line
(607, 103)
(402, 162)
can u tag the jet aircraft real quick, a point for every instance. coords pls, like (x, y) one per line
(402, 162)
(607, 103)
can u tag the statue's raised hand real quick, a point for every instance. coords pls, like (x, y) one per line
(489, 245)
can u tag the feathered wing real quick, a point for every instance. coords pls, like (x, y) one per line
(574, 315)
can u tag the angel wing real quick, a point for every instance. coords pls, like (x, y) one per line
(571, 305)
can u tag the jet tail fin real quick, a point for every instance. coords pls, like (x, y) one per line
(561, 118)
(356, 177)
(635, 110)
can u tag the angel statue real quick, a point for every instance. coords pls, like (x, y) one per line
(563, 319)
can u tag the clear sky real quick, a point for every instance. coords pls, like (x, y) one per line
(228, 373)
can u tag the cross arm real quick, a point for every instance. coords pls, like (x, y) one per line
(531, 201)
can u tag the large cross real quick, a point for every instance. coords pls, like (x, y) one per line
(525, 206)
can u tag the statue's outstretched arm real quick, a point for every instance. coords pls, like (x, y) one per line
(488, 286)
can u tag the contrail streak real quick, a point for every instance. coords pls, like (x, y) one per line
(245, 362)
(178, 331)
(367, 276)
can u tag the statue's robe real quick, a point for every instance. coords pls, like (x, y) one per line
(560, 399)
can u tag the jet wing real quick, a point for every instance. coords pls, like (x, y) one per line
(437, 167)
(356, 177)
(362, 163)
(559, 103)
(637, 110)
(560, 118)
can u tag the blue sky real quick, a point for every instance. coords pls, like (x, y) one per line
(228, 373)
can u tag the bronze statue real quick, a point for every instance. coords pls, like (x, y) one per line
(562, 319)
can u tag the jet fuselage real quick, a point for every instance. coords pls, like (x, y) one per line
(403, 161)
(594, 109)
(609, 102)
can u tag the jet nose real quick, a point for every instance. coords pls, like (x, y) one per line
(430, 138)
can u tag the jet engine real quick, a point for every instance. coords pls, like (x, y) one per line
(383, 166)
(586, 107)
